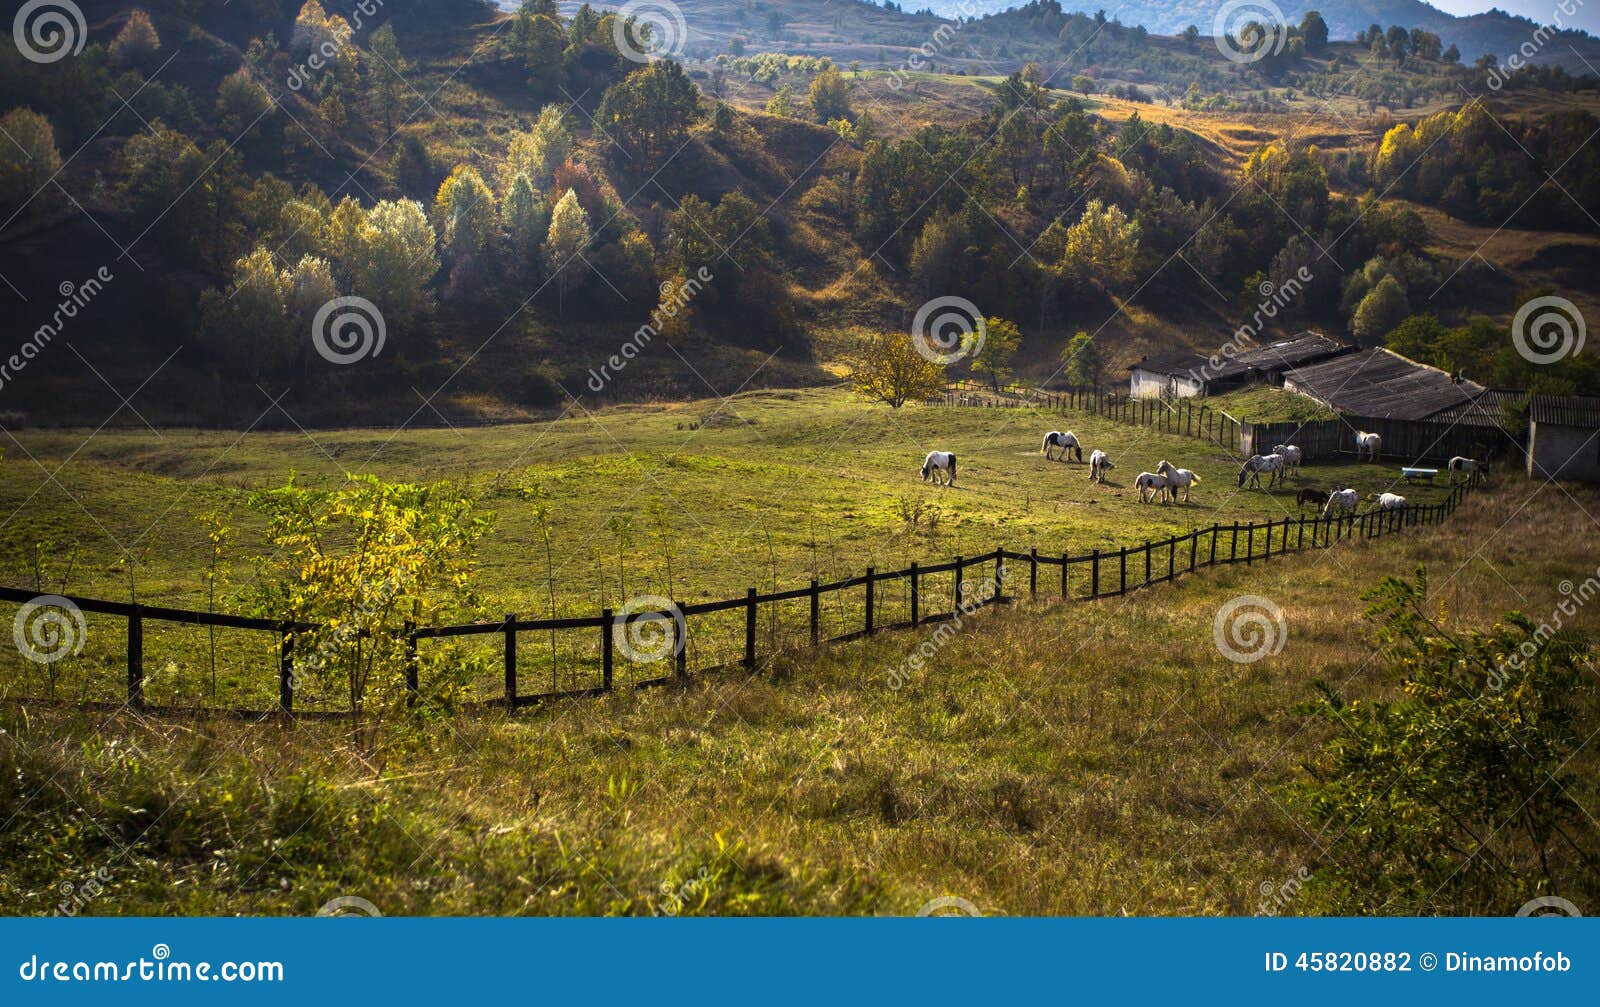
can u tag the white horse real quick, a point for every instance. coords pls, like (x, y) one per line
(1152, 484)
(1343, 501)
(1471, 466)
(1177, 479)
(1067, 442)
(1390, 501)
(937, 464)
(1252, 469)
(1291, 457)
(1367, 445)
(1099, 464)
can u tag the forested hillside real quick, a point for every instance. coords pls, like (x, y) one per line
(206, 188)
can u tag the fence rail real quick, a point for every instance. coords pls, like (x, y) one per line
(1097, 574)
(1186, 417)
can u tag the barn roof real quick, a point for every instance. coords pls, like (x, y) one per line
(1565, 410)
(1277, 356)
(1382, 384)
(1487, 410)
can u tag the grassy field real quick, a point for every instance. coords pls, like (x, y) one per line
(767, 489)
(1096, 758)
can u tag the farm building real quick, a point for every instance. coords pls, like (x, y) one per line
(1564, 438)
(1184, 373)
(1383, 384)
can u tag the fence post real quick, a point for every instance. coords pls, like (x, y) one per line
(410, 630)
(1215, 530)
(1033, 574)
(750, 626)
(869, 599)
(681, 668)
(1064, 564)
(816, 613)
(1300, 542)
(607, 631)
(914, 598)
(136, 658)
(1233, 546)
(1094, 575)
(1172, 551)
(511, 660)
(1194, 546)
(286, 671)
(1147, 562)
(1268, 553)
(1249, 543)
(1000, 574)
(1122, 567)
(958, 584)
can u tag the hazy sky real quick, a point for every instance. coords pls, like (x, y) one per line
(1585, 14)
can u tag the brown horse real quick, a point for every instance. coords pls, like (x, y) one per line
(1311, 496)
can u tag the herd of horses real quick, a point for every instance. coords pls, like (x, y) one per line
(1167, 481)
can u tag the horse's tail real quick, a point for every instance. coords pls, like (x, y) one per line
(1077, 449)
(1196, 479)
(1044, 448)
(952, 468)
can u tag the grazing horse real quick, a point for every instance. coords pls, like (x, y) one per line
(937, 464)
(1252, 469)
(1152, 484)
(1471, 466)
(1067, 442)
(1390, 501)
(1311, 496)
(1343, 501)
(1367, 445)
(1177, 479)
(1099, 463)
(1291, 457)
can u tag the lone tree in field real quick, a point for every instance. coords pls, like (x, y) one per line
(888, 367)
(999, 352)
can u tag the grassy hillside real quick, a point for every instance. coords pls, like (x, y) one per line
(1085, 759)
(766, 489)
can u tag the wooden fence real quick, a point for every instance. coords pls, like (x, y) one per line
(1186, 417)
(1100, 573)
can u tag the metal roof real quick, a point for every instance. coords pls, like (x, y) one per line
(1277, 356)
(1382, 384)
(1487, 410)
(1565, 410)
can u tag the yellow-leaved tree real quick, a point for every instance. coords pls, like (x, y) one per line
(888, 367)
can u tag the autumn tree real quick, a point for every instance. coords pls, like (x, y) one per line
(1099, 249)
(137, 42)
(28, 157)
(888, 367)
(830, 95)
(568, 235)
(648, 113)
(997, 356)
(1081, 363)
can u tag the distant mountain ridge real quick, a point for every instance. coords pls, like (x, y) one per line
(1492, 31)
